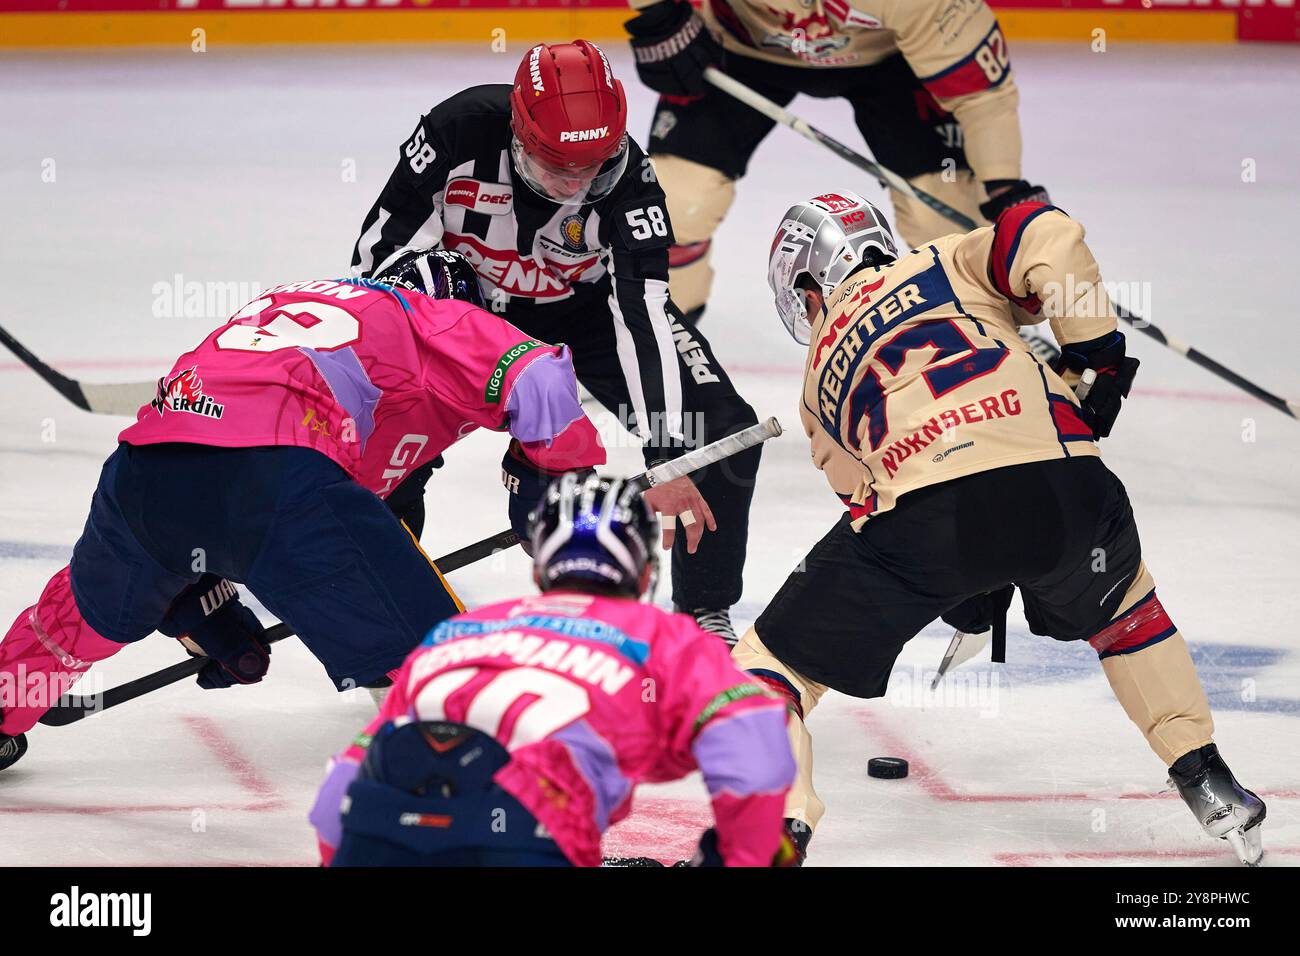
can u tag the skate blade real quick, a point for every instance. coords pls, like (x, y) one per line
(1248, 844)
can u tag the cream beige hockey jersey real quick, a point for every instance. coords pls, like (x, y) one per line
(915, 374)
(955, 47)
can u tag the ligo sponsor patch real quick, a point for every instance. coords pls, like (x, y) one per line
(495, 199)
(492, 391)
(184, 393)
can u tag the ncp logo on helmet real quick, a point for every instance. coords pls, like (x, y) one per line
(568, 117)
(817, 245)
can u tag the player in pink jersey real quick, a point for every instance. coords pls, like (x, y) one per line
(260, 462)
(517, 733)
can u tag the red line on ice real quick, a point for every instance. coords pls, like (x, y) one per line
(257, 806)
(162, 364)
(935, 786)
(766, 371)
(266, 797)
(225, 750)
(663, 828)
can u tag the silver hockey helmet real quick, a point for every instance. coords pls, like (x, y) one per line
(824, 238)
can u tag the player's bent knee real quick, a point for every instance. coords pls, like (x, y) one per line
(1140, 621)
(918, 224)
(752, 656)
(698, 199)
(1150, 670)
(698, 196)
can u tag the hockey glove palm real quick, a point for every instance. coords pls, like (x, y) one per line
(1115, 372)
(672, 47)
(210, 614)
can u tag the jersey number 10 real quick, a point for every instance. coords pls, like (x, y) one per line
(540, 702)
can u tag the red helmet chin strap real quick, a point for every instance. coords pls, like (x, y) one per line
(567, 110)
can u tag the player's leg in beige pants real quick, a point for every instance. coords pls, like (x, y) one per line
(915, 223)
(698, 200)
(1151, 672)
(801, 694)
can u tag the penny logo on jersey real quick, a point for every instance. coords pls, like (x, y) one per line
(520, 275)
(184, 393)
(495, 199)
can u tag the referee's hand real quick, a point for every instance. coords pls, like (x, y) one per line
(680, 500)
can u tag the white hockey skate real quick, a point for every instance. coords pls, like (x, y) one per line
(1225, 809)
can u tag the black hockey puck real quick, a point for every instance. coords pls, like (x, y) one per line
(887, 768)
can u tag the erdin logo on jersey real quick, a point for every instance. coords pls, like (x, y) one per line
(184, 393)
(535, 70)
(583, 135)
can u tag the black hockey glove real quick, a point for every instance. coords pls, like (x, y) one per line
(977, 614)
(527, 484)
(672, 47)
(1115, 372)
(708, 854)
(406, 501)
(791, 852)
(1019, 192)
(211, 615)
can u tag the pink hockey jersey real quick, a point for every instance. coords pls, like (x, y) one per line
(591, 696)
(379, 380)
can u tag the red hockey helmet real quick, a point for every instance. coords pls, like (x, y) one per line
(569, 119)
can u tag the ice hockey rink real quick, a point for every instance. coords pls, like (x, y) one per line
(257, 166)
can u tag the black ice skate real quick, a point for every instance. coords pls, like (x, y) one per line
(11, 749)
(717, 623)
(1224, 807)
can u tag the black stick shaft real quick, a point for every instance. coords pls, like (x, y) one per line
(888, 178)
(71, 708)
(67, 387)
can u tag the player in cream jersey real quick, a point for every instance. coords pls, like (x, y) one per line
(969, 468)
(930, 83)
(915, 350)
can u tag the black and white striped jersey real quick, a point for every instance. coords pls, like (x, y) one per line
(455, 187)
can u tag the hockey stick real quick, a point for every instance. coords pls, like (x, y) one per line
(120, 399)
(892, 180)
(71, 708)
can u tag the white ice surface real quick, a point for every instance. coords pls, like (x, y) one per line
(230, 167)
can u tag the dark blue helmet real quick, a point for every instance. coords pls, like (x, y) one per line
(437, 273)
(594, 531)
